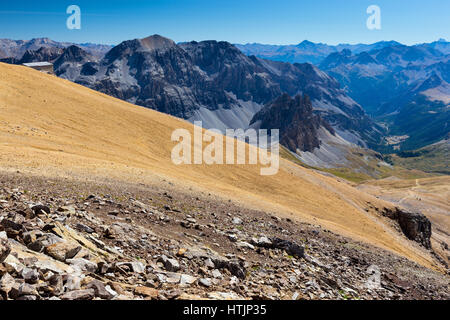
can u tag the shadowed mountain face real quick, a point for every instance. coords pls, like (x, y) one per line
(297, 122)
(213, 82)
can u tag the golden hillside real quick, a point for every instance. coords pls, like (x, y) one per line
(53, 127)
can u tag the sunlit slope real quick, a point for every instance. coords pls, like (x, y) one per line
(51, 126)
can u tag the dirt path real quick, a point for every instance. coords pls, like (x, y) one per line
(411, 193)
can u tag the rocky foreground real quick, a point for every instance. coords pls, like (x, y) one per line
(69, 240)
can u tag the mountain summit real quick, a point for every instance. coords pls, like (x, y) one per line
(157, 42)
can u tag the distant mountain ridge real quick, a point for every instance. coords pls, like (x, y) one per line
(17, 48)
(406, 88)
(315, 53)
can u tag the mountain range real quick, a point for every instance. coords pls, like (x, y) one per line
(362, 95)
(314, 53)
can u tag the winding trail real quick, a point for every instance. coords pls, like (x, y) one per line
(411, 193)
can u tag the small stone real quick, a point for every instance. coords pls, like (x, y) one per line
(209, 263)
(84, 228)
(56, 282)
(40, 209)
(185, 224)
(111, 291)
(245, 245)
(63, 250)
(26, 289)
(87, 294)
(205, 282)
(100, 289)
(216, 274)
(147, 292)
(30, 275)
(169, 264)
(6, 284)
(137, 267)
(264, 242)
(32, 236)
(73, 283)
(134, 266)
(237, 220)
(44, 241)
(141, 205)
(186, 279)
(223, 296)
(27, 298)
(191, 220)
(82, 265)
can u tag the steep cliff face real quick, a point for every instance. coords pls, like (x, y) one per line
(295, 119)
(415, 226)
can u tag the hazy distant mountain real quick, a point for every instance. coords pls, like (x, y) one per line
(305, 51)
(17, 48)
(406, 87)
(441, 45)
(299, 126)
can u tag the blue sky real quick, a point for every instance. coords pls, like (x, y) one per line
(236, 21)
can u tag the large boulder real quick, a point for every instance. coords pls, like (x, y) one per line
(415, 226)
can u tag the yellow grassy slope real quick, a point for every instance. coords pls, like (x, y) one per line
(52, 127)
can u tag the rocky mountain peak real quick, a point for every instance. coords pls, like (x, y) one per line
(73, 54)
(296, 121)
(157, 42)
